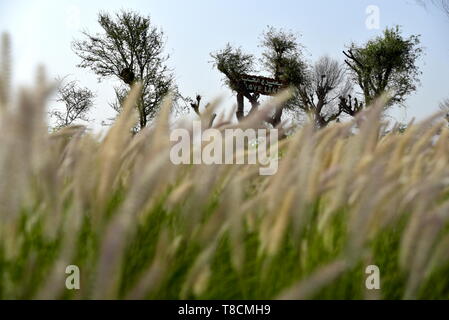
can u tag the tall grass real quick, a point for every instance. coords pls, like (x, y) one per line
(139, 227)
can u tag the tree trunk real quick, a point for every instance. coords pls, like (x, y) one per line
(240, 106)
(320, 122)
(254, 105)
(142, 115)
(276, 120)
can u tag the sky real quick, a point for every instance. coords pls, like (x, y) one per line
(42, 32)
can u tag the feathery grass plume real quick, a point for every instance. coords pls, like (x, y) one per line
(5, 71)
(139, 227)
(306, 288)
(115, 142)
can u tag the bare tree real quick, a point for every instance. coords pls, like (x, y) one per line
(195, 105)
(319, 97)
(130, 49)
(76, 101)
(443, 5)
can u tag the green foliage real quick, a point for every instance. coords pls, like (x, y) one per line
(233, 62)
(387, 63)
(129, 49)
(283, 57)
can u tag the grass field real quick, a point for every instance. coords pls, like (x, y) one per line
(137, 226)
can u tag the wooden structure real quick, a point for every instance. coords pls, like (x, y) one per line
(261, 85)
(252, 87)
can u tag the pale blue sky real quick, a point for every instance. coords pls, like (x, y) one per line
(42, 31)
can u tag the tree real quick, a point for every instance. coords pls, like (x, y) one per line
(318, 87)
(130, 49)
(386, 63)
(233, 63)
(195, 105)
(319, 96)
(443, 5)
(282, 58)
(76, 101)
